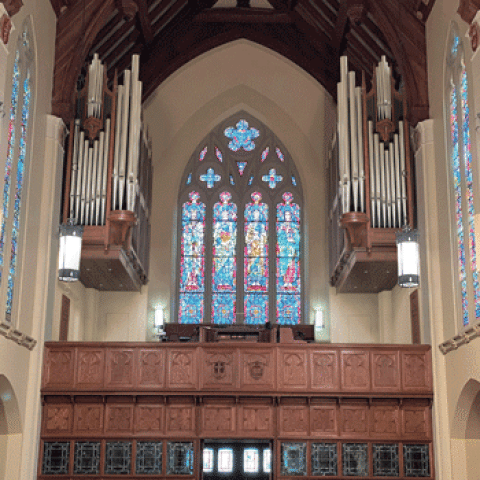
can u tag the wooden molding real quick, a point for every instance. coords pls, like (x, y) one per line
(12, 6)
(5, 28)
(128, 8)
(467, 9)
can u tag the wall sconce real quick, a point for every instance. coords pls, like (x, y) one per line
(320, 327)
(159, 321)
(408, 258)
(70, 249)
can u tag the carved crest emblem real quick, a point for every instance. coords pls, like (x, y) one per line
(256, 370)
(219, 369)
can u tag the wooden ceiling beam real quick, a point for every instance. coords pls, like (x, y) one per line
(242, 15)
(171, 13)
(145, 21)
(340, 28)
(308, 11)
(116, 39)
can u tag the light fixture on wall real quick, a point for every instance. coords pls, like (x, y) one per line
(321, 330)
(159, 321)
(408, 258)
(70, 249)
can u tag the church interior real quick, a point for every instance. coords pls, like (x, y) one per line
(187, 345)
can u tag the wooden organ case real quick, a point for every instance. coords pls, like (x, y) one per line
(371, 182)
(108, 181)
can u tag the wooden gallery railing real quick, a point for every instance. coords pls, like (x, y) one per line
(371, 179)
(108, 180)
(104, 402)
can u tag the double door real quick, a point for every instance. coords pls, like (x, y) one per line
(237, 460)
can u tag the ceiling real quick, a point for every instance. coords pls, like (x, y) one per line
(311, 33)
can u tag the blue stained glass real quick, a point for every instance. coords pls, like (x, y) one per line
(18, 191)
(202, 154)
(10, 152)
(223, 308)
(210, 177)
(242, 137)
(218, 154)
(280, 155)
(288, 309)
(192, 261)
(457, 182)
(265, 154)
(232, 181)
(256, 245)
(241, 167)
(469, 191)
(256, 308)
(190, 308)
(250, 180)
(189, 179)
(272, 178)
(294, 181)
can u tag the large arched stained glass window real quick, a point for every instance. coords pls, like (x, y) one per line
(460, 160)
(16, 165)
(240, 238)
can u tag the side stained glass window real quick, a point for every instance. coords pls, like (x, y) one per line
(192, 261)
(16, 164)
(240, 239)
(462, 179)
(224, 270)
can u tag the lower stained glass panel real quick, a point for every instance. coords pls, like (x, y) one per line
(416, 460)
(55, 458)
(385, 460)
(355, 459)
(118, 457)
(190, 308)
(324, 459)
(223, 308)
(149, 458)
(288, 309)
(293, 459)
(87, 458)
(179, 458)
(256, 309)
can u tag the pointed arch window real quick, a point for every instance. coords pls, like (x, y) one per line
(460, 167)
(16, 165)
(241, 233)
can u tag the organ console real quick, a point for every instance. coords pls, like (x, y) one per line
(108, 180)
(371, 181)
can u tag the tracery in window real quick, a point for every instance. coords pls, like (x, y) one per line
(462, 178)
(240, 235)
(16, 164)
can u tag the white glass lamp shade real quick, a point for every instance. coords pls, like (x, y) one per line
(408, 258)
(70, 250)
(159, 318)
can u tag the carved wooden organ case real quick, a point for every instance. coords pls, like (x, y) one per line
(371, 182)
(108, 180)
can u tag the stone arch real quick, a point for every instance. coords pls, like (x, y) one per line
(10, 429)
(466, 421)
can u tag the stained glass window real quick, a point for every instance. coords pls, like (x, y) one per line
(462, 179)
(192, 261)
(207, 460)
(240, 236)
(250, 460)
(225, 460)
(293, 459)
(324, 459)
(224, 269)
(416, 460)
(179, 458)
(267, 461)
(16, 162)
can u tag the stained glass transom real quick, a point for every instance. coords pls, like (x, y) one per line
(461, 168)
(385, 460)
(355, 459)
(55, 458)
(324, 459)
(240, 237)
(179, 458)
(225, 460)
(149, 458)
(118, 457)
(250, 460)
(293, 459)
(416, 460)
(208, 460)
(87, 458)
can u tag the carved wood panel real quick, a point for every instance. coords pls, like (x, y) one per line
(151, 368)
(292, 370)
(355, 371)
(181, 369)
(416, 372)
(218, 420)
(354, 420)
(120, 368)
(384, 421)
(219, 369)
(416, 422)
(180, 420)
(255, 420)
(324, 370)
(88, 419)
(58, 419)
(293, 420)
(149, 419)
(90, 368)
(385, 371)
(258, 369)
(59, 368)
(323, 420)
(118, 419)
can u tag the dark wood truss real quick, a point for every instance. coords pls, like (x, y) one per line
(311, 33)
